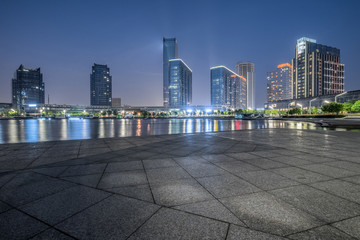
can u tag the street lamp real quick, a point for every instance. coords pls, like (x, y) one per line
(310, 104)
(326, 101)
(339, 95)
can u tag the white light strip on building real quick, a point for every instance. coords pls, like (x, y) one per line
(225, 68)
(178, 59)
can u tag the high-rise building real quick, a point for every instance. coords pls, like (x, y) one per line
(28, 88)
(180, 83)
(317, 70)
(246, 69)
(279, 83)
(100, 86)
(228, 89)
(170, 51)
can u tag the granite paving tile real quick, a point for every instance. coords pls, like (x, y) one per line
(291, 160)
(173, 224)
(324, 206)
(227, 185)
(350, 226)
(120, 179)
(238, 232)
(211, 209)
(17, 225)
(203, 170)
(141, 192)
(354, 179)
(91, 180)
(166, 174)
(50, 171)
(180, 191)
(315, 158)
(83, 170)
(159, 163)
(329, 171)
(340, 188)
(242, 156)
(214, 158)
(301, 175)
(190, 160)
(237, 167)
(59, 206)
(4, 207)
(265, 163)
(267, 180)
(124, 166)
(262, 211)
(351, 166)
(51, 234)
(322, 233)
(27, 187)
(116, 217)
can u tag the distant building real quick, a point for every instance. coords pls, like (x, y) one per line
(100, 86)
(170, 51)
(279, 83)
(247, 70)
(228, 89)
(180, 83)
(317, 70)
(116, 102)
(28, 88)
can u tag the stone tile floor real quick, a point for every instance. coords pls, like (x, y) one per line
(257, 184)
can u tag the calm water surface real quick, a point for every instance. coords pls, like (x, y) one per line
(35, 130)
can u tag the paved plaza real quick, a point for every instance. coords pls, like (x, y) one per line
(256, 184)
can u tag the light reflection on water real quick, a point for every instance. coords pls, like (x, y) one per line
(35, 130)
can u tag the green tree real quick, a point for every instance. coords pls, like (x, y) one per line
(356, 106)
(347, 106)
(295, 111)
(275, 112)
(332, 107)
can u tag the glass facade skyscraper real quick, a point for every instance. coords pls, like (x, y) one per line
(228, 89)
(317, 70)
(246, 69)
(180, 83)
(279, 83)
(28, 88)
(170, 51)
(100, 86)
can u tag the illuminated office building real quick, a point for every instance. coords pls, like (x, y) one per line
(279, 83)
(317, 70)
(100, 86)
(228, 89)
(28, 88)
(246, 69)
(170, 51)
(180, 83)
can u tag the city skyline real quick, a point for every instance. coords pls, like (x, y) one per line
(65, 53)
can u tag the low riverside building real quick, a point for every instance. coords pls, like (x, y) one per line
(182, 110)
(318, 102)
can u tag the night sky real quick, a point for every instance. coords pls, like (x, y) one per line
(65, 38)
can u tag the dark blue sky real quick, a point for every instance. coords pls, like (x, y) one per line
(66, 37)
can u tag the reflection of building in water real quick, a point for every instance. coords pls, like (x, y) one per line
(138, 128)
